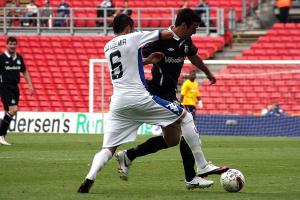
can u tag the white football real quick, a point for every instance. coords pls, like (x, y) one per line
(233, 180)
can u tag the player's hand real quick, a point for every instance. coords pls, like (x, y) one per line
(155, 57)
(31, 90)
(166, 35)
(200, 104)
(212, 79)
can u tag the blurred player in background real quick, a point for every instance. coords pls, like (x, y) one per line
(131, 104)
(164, 81)
(11, 64)
(284, 8)
(190, 95)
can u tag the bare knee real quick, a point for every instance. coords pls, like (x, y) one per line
(172, 134)
(171, 142)
(13, 110)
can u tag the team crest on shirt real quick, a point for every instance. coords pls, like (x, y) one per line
(170, 49)
(13, 101)
(18, 62)
(186, 48)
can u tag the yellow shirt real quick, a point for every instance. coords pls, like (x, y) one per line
(190, 92)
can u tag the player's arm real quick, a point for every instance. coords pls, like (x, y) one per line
(26, 75)
(196, 60)
(200, 103)
(153, 58)
(146, 37)
(28, 80)
(166, 35)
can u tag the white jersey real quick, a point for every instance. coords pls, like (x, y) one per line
(124, 57)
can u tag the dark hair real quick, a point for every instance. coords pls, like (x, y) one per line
(121, 21)
(187, 16)
(11, 39)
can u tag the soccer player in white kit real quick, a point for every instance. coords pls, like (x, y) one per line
(131, 104)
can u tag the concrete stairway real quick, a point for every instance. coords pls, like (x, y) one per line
(241, 42)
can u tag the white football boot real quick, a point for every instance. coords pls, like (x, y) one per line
(211, 169)
(124, 164)
(198, 182)
(3, 141)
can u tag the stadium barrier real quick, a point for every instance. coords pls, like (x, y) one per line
(236, 125)
(85, 20)
(92, 123)
(66, 123)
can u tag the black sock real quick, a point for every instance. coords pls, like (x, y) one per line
(188, 160)
(5, 124)
(152, 145)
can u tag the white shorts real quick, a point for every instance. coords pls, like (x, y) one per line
(122, 125)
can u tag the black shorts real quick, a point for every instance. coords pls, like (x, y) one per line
(9, 95)
(169, 95)
(191, 109)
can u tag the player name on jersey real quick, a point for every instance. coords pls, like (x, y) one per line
(115, 44)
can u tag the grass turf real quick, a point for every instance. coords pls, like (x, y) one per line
(50, 167)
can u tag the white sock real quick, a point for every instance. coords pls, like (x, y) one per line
(100, 159)
(189, 132)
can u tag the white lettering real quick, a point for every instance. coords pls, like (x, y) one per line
(174, 60)
(12, 67)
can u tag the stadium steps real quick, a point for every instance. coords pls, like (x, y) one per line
(240, 43)
(246, 95)
(247, 36)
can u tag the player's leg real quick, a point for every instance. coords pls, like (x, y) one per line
(191, 144)
(188, 160)
(192, 138)
(159, 113)
(125, 157)
(172, 133)
(117, 132)
(172, 136)
(186, 153)
(152, 145)
(10, 99)
(100, 159)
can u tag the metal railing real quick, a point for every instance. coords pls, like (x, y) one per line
(80, 20)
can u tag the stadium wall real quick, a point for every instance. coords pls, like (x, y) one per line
(92, 123)
(238, 125)
(66, 122)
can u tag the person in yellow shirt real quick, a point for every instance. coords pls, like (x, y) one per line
(284, 7)
(190, 95)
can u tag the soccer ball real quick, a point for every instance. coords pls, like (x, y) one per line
(232, 180)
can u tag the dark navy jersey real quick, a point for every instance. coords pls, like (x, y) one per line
(165, 74)
(10, 68)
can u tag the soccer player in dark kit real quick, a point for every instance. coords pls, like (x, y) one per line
(11, 64)
(164, 81)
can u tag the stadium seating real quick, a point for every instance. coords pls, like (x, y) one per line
(280, 42)
(59, 67)
(247, 89)
(156, 19)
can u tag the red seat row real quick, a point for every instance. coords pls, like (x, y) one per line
(247, 89)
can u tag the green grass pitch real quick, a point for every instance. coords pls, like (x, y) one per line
(51, 167)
